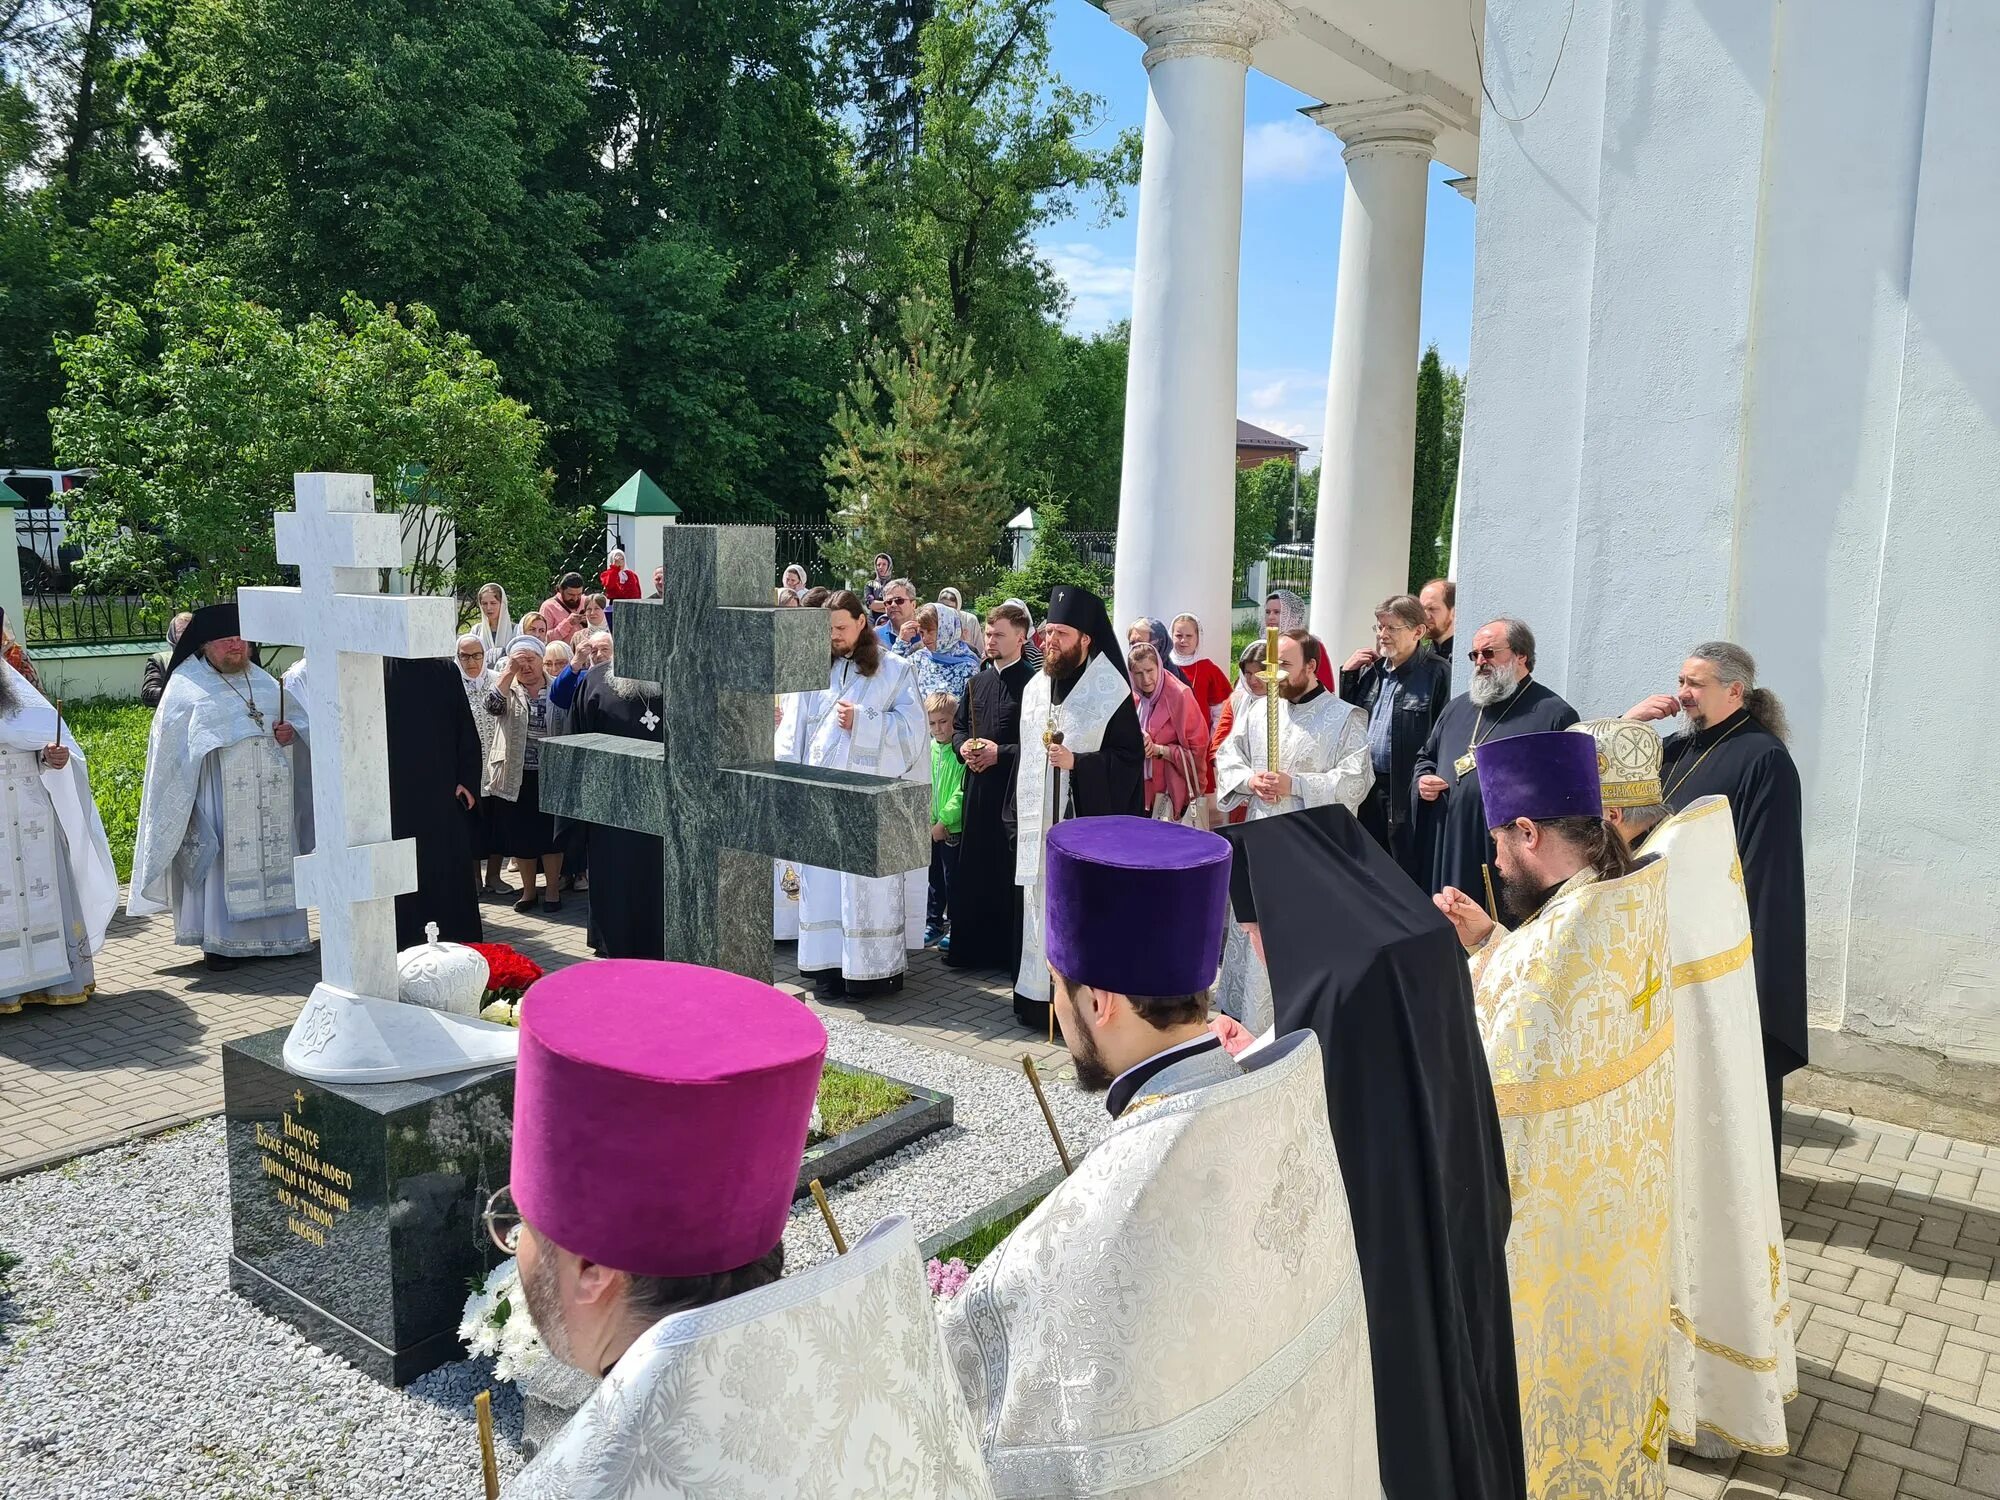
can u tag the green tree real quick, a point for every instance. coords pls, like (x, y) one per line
(1054, 559)
(1076, 450)
(1436, 472)
(1263, 494)
(913, 467)
(1454, 436)
(196, 407)
(404, 152)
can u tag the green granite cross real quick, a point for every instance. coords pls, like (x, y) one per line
(722, 807)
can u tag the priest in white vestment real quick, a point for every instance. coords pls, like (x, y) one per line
(1082, 755)
(1731, 1366)
(1322, 744)
(722, 1378)
(58, 899)
(785, 872)
(856, 934)
(1183, 1316)
(1578, 1025)
(219, 818)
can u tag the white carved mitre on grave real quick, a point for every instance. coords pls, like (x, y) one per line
(441, 976)
(354, 1027)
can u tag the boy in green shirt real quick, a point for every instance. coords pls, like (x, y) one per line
(947, 815)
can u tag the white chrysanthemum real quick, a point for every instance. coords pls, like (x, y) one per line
(496, 1324)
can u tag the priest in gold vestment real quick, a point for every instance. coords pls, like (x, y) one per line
(1731, 1366)
(1578, 1022)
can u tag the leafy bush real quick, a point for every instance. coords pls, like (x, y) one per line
(1054, 560)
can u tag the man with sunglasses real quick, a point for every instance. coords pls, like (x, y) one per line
(1502, 700)
(656, 1150)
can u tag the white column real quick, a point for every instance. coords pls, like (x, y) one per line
(1361, 537)
(1177, 494)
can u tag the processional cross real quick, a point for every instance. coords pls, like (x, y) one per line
(353, 1029)
(709, 789)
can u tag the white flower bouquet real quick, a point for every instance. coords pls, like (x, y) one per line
(496, 1323)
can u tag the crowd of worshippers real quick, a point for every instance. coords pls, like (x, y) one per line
(1451, 1209)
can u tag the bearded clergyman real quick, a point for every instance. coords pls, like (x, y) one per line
(856, 933)
(1502, 700)
(1731, 1362)
(1082, 755)
(1183, 1316)
(719, 1379)
(220, 820)
(1323, 757)
(1578, 1024)
(60, 888)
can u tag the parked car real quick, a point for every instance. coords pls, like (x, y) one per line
(40, 526)
(1292, 549)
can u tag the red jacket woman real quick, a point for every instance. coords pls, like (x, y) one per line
(619, 581)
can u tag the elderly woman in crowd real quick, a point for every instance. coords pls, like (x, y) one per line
(493, 625)
(531, 625)
(1176, 733)
(1154, 633)
(972, 630)
(1287, 611)
(619, 581)
(478, 680)
(519, 701)
(943, 661)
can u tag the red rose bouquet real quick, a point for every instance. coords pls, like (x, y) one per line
(508, 973)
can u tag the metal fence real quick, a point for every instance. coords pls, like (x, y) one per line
(57, 610)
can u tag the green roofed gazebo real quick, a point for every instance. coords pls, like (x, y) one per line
(635, 517)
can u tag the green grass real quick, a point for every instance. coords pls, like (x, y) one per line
(981, 1243)
(113, 736)
(848, 1101)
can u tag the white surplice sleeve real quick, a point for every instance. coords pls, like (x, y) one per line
(1348, 779)
(1232, 762)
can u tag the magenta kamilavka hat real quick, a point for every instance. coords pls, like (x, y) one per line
(1135, 905)
(660, 1114)
(1539, 776)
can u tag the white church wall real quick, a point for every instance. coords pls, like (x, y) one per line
(1778, 422)
(1839, 201)
(1922, 965)
(1530, 319)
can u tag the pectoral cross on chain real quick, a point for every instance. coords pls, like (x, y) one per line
(650, 719)
(1644, 999)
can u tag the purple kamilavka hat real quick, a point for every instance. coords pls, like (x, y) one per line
(1136, 905)
(660, 1114)
(1539, 776)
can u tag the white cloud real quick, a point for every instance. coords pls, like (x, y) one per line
(1290, 402)
(1100, 288)
(1288, 151)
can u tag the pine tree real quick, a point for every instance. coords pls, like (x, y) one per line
(1430, 489)
(914, 469)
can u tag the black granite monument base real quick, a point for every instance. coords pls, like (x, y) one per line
(860, 1148)
(354, 1208)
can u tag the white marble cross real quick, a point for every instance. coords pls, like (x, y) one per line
(353, 1028)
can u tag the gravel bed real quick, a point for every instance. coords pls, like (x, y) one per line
(130, 1370)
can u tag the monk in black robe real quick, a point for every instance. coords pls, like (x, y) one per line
(1734, 746)
(985, 902)
(1411, 1103)
(433, 784)
(1079, 651)
(627, 911)
(1453, 845)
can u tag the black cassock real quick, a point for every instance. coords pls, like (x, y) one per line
(1358, 955)
(433, 750)
(985, 902)
(1453, 844)
(627, 914)
(1742, 760)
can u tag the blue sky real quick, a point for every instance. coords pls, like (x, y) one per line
(1291, 234)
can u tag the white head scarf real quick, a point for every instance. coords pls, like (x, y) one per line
(493, 638)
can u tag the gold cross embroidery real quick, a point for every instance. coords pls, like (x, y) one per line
(1777, 1272)
(1656, 1430)
(1644, 999)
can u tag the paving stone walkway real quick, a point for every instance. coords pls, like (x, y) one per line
(145, 1052)
(1892, 1233)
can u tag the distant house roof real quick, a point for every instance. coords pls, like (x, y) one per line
(1250, 435)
